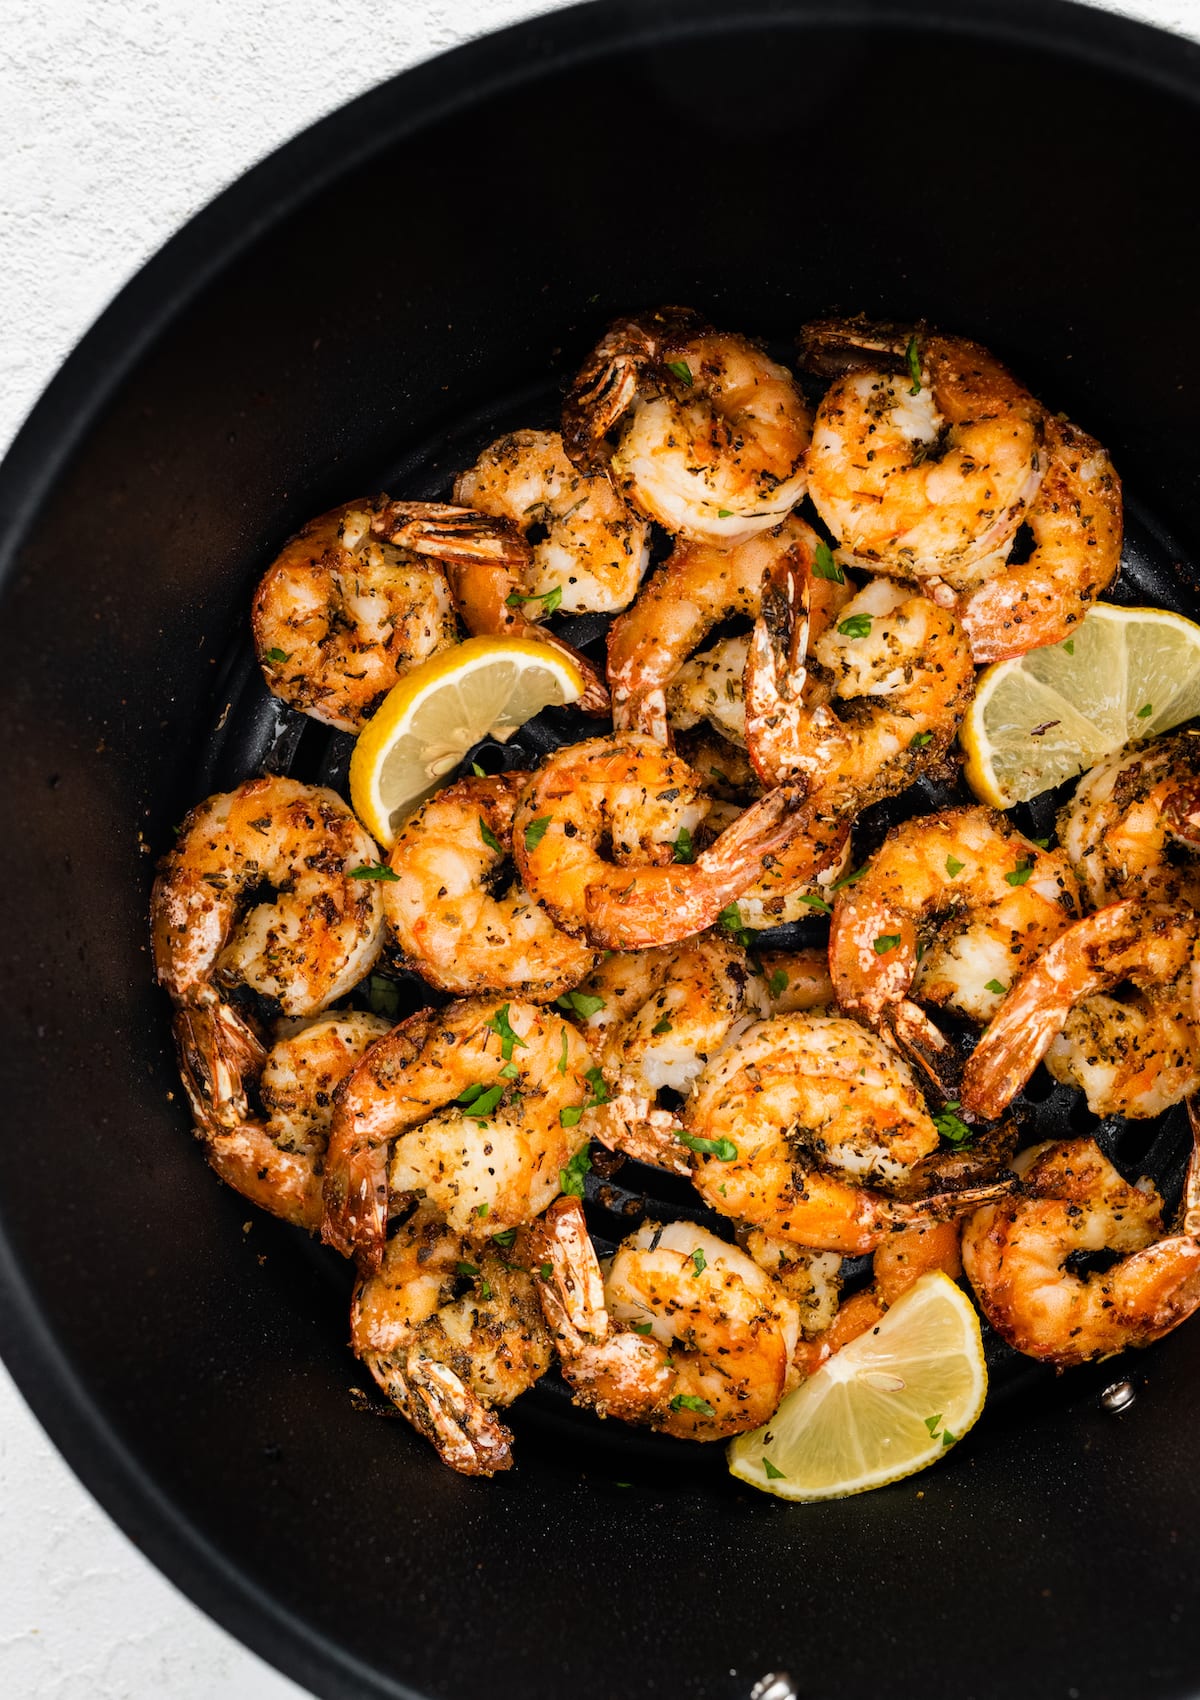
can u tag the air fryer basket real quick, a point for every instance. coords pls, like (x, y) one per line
(365, 311)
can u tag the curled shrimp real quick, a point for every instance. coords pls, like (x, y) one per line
(926, 453)
(340, 615)
(488, 563)
(475, 1106)
(696, 589)
(1132, 1058)
(1073, 1201)
(594, 551)
(1076, 524)
(307, 944)
(712, 433)
(274, 1157)
(630, 793)
(895, 677)
(1132, 827)
(683, 1333)
(450, 1329)
(951, 909)
(460, 919)
(792, 1119)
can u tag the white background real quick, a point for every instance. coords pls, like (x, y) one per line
(118, 119)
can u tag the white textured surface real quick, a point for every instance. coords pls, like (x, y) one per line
(118, 119)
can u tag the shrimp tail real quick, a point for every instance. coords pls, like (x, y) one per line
(927, 1048)
(608, 382)
(354, 1217)
(219, 1055)
(630, 1124)
(829, 348)
(572, 1293)
(948, 1205)
(778, 724)
(467, 1435)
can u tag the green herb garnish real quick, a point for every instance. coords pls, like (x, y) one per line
(499, 1024)
(995, 986)
(681, 370)
(919, 740)
(723, 1149)
(690, 1402)
(886, 942)
(954, 867)
(1020, 873)
(582, 1004)
(536, 831)
(570, 1179)
(699, 1261)
(772, 1474)
(552, 599)
(824, 565)
(856, 626)
(914, 365)
(685, 850)
(276, 655)
(950, 1126)
(1146, 709)
(489, 837)
(661, 1026)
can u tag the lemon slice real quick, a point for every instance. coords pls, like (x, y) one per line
(427, 723)
(1124, 673)
(885, 1406)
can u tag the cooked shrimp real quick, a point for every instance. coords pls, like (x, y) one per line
(1076, 525)
(696, 589)
(684, 1333)
(712, 433)
(1133, 1058)
(594, 551)
(276, 1158)
(449, 1330)
(926, 452)
(308, 943)
(654, 1019)
(952, 908)
(1017, 1255)
(802, 1089)
(896, 679)
(488, 564)
(478, 1100)
(630, 793)
(459, 918)
(1133, 826)
(811, 1279)
(339, 616)
(901, 1259)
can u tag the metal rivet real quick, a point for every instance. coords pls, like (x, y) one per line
(776, 1685)
(1119, 1396)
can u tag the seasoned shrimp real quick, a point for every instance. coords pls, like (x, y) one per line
(654, 1017)
(696, 589)
(1017, 1255)
(896, 679)
(926, 452)
(630, 793)
(459, 918)
(488, 563)
(479, 1101)
(340, 615)
(952, 908)
(1132, 1058)
(307, 944)
(684, 1333)
(594, 551)
(449, 1330)
(276, 1158)
(1133, 826)
(1076, 524)
(712, 433)
(800, 1090)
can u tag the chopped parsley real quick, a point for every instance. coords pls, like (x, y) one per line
(570, 1179)
(1069, 646)
(914, 365)
(850, 879)
(954, 867)
(1021, 872)
(499, 1024)
(690, 1402)
(276, 655)
(478, 771)
(814, 902)
(481, 1210)
(685, 850)
(951, 1126)
(730, 921)
(373, 871)
(931, 1423)
(562, 1061)
(919, 740)
(546, 1271)
(777, 983)
(383, 996)
(582, 1004)
(1146, 709)
(536, 831)
(723, 1149)
(724, 513)
(699, 1261)
(505, 1237)
(470, 1269)
(948, 1439)
(824, 565)
(552, 599)
(772, 1474)
(886, 942)
(641, 1327)
(661, 1026)
(681, 369)
(489, 837)
(478, 1102)
(995, 986)
(856, 626)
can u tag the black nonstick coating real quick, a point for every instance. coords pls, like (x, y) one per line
(355, 309)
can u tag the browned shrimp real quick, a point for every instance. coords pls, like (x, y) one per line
(629, 793)
(1072, 1200)
(340, 615)
(1134, 1058)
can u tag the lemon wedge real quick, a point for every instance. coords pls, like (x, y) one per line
(888, 1404)
(485, 687)
(1124, 673)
